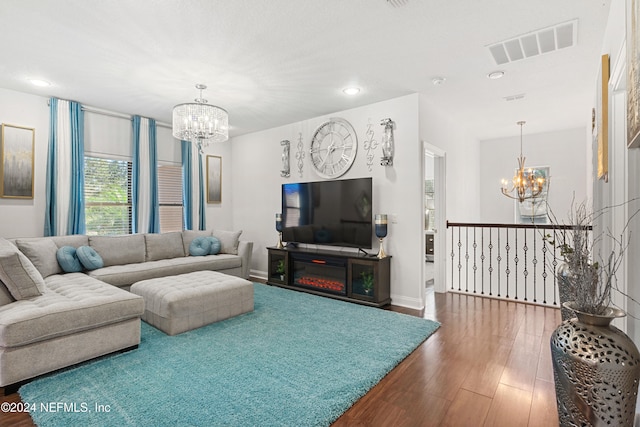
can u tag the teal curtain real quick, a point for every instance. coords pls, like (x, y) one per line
(187, 185)
(76, 223)
(145, 206)
(64, 188)
(202, 224)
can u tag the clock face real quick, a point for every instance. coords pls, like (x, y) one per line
(333, 148)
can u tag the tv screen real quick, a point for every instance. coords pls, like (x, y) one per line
(336, 213)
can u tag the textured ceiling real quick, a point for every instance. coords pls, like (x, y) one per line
(275, 62)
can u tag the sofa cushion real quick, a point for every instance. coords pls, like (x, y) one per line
(20, 276)
(126, 275)
(5, 295)
(75, 240)
(189, 235)
(89, 258)
(215, 245)
(68, 259)
(163, 246)
(228, 241)
(200, 246)
(42, 253)
(117, 250)
(72, 303)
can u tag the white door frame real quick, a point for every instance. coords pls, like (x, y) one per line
(439, 243)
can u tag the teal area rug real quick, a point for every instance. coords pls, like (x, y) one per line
(297, 360)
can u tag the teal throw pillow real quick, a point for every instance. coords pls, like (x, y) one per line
(89, 258)
(215, 245)
(68, 259)
(200, 246)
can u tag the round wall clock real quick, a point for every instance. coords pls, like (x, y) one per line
(333, 148)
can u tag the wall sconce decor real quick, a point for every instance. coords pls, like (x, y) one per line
(300, 154)
(370, 145)
(387, 142)
(381, 232)
(279, 230)
(286, 170)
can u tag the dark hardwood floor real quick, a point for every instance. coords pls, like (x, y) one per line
(489, 364)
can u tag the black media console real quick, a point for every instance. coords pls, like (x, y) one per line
(347, 276)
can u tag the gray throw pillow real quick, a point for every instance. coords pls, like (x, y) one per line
(20, 277)
(42, 253)
(228, 241)
(164, 246)
(119, 250)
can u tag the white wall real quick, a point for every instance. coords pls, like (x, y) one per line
(462, 161)
(256, 185)
(25, 217)
(563, 152)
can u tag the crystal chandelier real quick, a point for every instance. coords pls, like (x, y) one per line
(200, 122)
(525, 184)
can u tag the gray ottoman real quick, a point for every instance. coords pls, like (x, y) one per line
(176, 304)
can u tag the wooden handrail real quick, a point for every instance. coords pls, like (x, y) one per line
(530, 226)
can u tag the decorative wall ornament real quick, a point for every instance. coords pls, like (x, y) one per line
(300, 154)
(387, 142)
(370, 145)
(286, 170)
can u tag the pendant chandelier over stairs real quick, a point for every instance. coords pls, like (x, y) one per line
(525, 184)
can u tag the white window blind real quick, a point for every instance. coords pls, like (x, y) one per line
(170, 197)
(107, 196)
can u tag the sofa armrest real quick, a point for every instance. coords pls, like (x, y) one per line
(245, 251)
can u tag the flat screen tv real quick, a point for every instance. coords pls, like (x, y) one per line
(335, 213)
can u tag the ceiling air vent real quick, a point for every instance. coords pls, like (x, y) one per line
(514, 97)
(535, 43)
(397, 3)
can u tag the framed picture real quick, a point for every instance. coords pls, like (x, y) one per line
(16, 158)
(603, 121)
(633, 74)
(214, 179)
(534, 210)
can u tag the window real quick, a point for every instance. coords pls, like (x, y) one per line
(107, 196)
(170, 197)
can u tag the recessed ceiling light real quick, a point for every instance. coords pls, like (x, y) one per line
(39, 82)
(351, 90)
(495, 75)
(437, 81)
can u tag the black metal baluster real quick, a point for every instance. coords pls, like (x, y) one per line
(453, 255)
(482, 261)
(525, 272)
(459, 260)
(544, 268)
(475, 265)
(516, 260)
(508, 248)
(490, 262)
(555, 277)
(466, 260)
(499, 258)
(535, 268)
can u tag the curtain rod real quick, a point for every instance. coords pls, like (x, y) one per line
(114, 114)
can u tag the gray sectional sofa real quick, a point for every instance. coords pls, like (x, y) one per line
(80, 316)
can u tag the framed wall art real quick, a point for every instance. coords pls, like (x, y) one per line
(16, 158)
(534, 210)
(214, 179)
(633, 74)
(603, 120)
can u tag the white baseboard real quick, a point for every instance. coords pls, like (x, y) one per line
(258, 274)
(413, 303)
